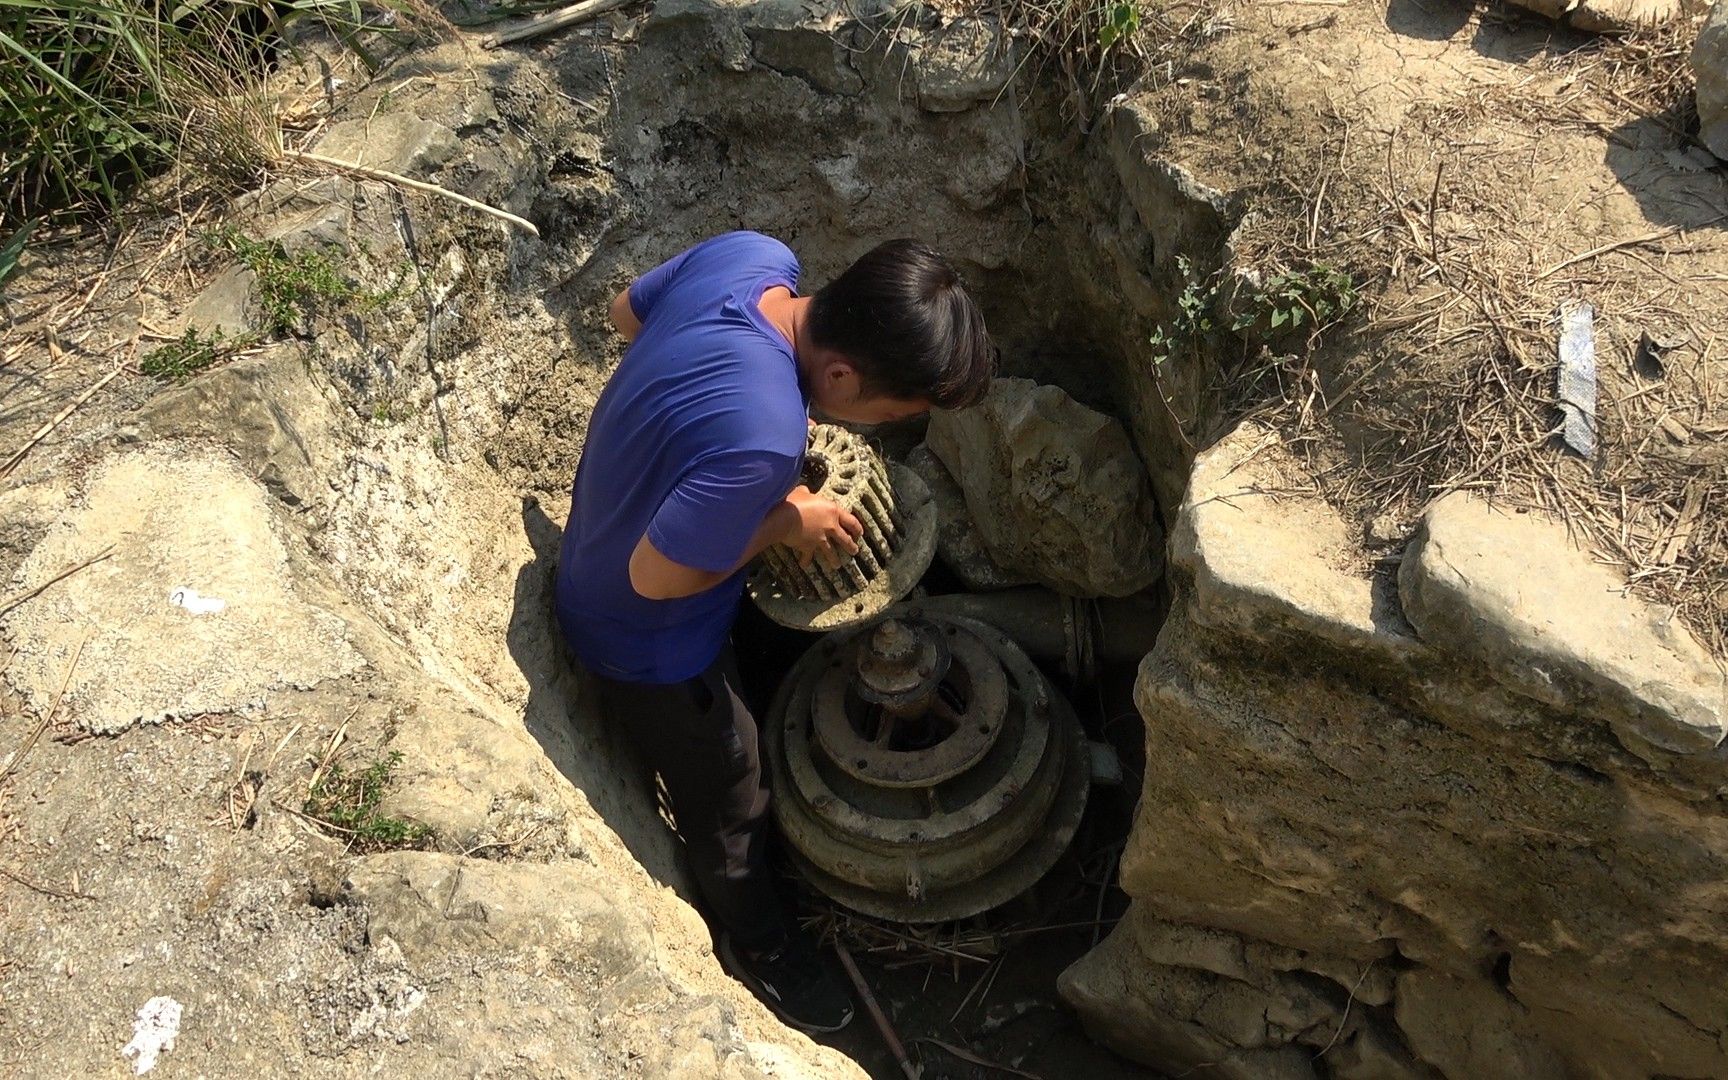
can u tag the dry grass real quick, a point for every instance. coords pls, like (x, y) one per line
(1446, 380)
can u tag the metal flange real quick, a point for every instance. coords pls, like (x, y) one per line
(931, 810)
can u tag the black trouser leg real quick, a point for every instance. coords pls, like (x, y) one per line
(700, 737)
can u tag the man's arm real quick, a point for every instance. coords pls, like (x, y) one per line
(624, 316)
(812, 526)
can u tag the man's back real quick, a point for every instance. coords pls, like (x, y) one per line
(696, 437)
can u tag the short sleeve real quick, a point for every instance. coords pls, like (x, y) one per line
(645, 291)
(710, 516)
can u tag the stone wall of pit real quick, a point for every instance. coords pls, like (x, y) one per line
(1458, 815)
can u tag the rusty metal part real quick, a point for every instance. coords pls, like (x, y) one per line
(1079, 634)
(884, 1027)
(931, 807)
(903, 666)
(899, 519)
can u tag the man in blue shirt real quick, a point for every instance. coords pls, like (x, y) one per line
(690, 469)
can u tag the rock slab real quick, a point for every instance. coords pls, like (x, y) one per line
(1710, 69)
(193, 611)
(1605, 16)
(1055, 489)
(1456, 822)
(1510, 593)
(969, 63)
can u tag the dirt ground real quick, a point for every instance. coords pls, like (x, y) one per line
(1475, 167)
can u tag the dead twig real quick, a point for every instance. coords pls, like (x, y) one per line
(977, 1059)
(1631, 241)
(876, 1014)
(409, 182)
(47, 717)
(46, 890)
(59, 418)
(32, 593)
(1345, 1019)
(552, 20)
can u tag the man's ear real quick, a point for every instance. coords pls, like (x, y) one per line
(841, 377)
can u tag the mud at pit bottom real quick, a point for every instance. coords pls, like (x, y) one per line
(984, 986)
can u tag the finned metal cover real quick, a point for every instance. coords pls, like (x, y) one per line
(899, 541)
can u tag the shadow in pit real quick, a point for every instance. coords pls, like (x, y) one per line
(1658, 160)
(1430, 20)
(563, 715)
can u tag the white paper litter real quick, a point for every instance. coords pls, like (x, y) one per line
(155, 1029)
(196, 604)
(1577, 389)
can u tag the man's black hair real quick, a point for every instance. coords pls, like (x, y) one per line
(904, 320)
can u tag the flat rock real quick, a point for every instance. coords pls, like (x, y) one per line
(967, 63)
(1511, 593)
(228, 305)
(1605, 16)
(267, 408)
(1710, 69)
(1267, 556)
(1055, 489)
(395, 141)
(173, 521)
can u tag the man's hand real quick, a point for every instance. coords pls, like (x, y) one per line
(823, 530)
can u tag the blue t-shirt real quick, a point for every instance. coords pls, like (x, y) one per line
(698, 435)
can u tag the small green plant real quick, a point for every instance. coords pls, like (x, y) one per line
(1193, 321)
(191, 353)
(1121, 20)
(1315, 298)
(368, 301)
(288, 285)
(13, 250)
(389, 409)
(348, 802)
(1310, 299)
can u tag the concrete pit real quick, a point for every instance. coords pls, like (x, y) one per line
(1405, 822)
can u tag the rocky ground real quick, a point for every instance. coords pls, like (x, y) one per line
(1424, 803)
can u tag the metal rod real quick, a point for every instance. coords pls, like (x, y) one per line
(876, 1014)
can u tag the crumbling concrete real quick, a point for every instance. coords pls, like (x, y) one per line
(1469, 843)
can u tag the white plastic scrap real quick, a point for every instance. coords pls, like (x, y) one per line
(1578, 378)
(155, 1029)
(196, 604)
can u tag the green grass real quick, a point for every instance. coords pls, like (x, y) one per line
(348, 802)
(290, 289)
(1288, 308)
(192, 353)
(95, 94)
(289, 286)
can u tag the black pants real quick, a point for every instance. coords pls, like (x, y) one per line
(700, 737)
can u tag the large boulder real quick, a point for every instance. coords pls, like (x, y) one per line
(957, 539)
(1710, 70)
(1054, 488)
(1605, 16)
(1456, 821)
